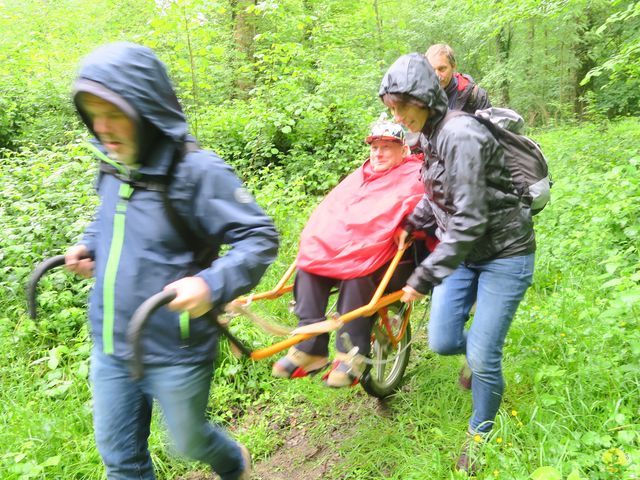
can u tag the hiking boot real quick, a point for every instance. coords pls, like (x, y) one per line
(468, 460)
(346, 370)
(246, 456)
(465, 377)
(297, 364)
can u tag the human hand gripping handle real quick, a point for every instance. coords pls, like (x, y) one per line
(410, 294)
(77, 260)
(400, 236)
(192, 295)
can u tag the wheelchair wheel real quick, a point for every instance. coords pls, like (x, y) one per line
(390, 349)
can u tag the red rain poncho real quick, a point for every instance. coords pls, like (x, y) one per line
(350, 234)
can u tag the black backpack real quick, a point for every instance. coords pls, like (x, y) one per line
(523, 156)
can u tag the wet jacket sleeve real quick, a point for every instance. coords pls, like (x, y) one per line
(89, 238)
(481, 100)
(464, 145)
(227, 213)
(421, 218)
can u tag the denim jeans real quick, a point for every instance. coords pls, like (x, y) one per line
(496, 287)
(122, 416)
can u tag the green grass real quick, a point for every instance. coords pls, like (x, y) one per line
(572, 404)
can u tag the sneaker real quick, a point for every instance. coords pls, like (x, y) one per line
(468, 460)
(297, 364)
(346, 370)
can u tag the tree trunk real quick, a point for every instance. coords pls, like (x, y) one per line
(378, 27)
(584, 61)
(503, 44)
(244, 29)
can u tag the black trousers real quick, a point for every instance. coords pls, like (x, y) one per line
(312, 292)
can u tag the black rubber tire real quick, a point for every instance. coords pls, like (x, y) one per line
(382, 380)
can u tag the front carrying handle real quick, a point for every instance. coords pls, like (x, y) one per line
(137, 323)
(142, 315)
(42, 268)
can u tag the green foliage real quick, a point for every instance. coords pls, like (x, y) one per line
(289, 110)
(620, 65)
(295, 84)
(570, 359)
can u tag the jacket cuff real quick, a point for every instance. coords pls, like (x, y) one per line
(421, 281)
(407, 226)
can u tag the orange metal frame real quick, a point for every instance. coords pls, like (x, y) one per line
(378, 301)
(384, 320)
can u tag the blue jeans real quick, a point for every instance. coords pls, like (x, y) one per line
(122, 417)
(496, 287)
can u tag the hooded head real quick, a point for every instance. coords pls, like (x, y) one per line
(412, 88)
(134, 81)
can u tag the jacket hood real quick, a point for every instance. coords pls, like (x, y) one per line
(413, 75)
(131, 77)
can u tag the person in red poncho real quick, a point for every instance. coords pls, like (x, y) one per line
(348, 243)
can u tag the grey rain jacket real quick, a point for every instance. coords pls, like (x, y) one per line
(136, 248)
(470, 201)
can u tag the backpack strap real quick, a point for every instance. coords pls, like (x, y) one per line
(204, 251)
(448, 116)
(474, 94)
(143, 184)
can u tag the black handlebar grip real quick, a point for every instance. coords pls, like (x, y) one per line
(137, 323)
(42, 268)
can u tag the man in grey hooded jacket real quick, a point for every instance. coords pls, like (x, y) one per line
(486, 246)
(134, 249)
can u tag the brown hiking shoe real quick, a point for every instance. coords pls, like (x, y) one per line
(465, 377)
(246, 456)
(468, 461)
(346, 370)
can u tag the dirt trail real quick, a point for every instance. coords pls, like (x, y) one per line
(304, 455)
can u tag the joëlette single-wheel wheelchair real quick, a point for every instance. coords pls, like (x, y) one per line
(390, 338)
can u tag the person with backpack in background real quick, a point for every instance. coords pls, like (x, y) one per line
(462, 92)
(134, 249)
(486, 250)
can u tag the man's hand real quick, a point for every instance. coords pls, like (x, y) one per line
(193, 296)
(400, 236)
(410, 294)
(77, 261)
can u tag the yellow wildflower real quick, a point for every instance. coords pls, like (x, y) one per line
(615, 456)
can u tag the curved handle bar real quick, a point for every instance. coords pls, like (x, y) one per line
(42, 268)
(137, 323)
(139, 320)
